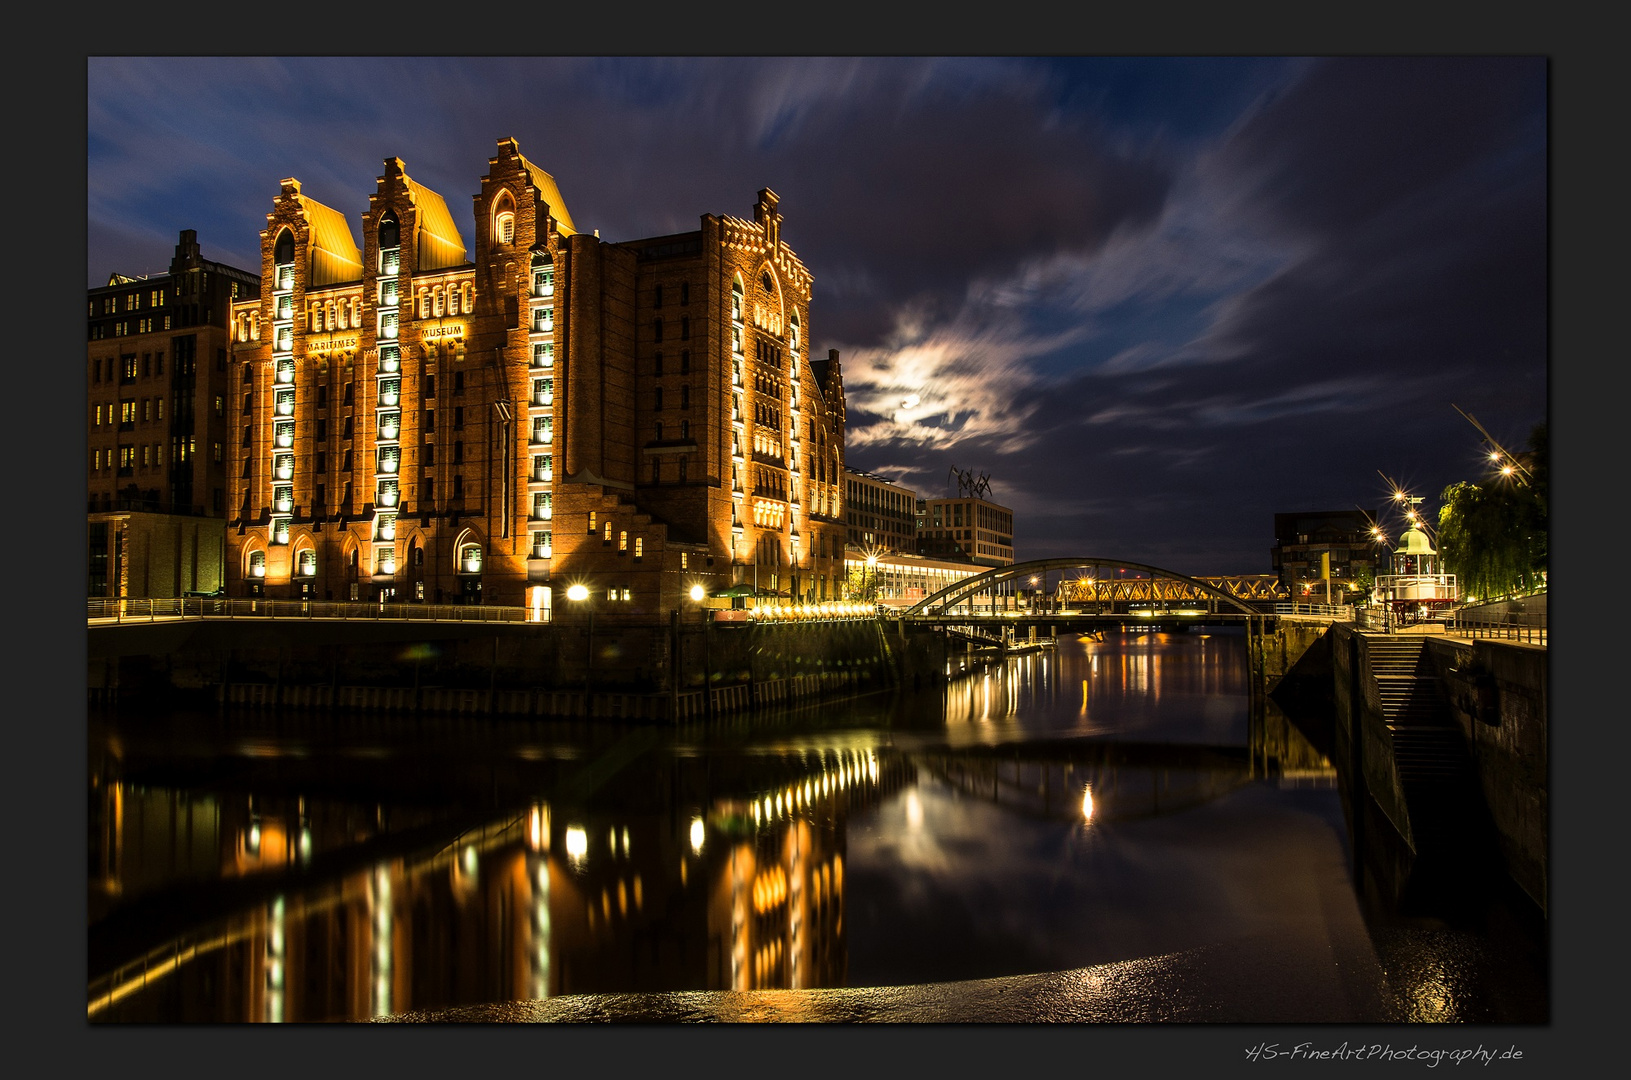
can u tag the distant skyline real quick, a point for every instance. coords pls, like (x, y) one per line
(1158, 301)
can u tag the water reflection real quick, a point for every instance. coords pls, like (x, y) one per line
(1109, 801)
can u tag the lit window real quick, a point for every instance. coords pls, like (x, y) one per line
(622, 541)
(639, 547)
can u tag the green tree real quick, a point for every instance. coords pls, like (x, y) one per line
(1493, 535)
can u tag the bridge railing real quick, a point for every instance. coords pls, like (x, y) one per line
(127, 610)
(1340, 612)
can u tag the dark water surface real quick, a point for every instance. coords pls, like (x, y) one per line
(1095, 804)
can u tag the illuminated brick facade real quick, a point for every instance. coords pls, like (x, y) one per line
(158, 448)
(419, 420)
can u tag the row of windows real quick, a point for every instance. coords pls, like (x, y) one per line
(131, 301)
(685, 328)
(149, 455)
(130, 412)
(657, 398)
(658, 468)
(684, 430)
(685, 362)
(685, 294)
(129, 367)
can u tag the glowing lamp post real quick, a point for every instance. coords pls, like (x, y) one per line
(696, 594)
(579, 594)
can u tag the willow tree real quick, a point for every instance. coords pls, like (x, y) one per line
(1493, 535)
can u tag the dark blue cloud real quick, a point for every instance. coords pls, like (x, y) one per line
(1157, 299)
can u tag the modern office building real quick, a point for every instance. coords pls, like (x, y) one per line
(899, 581)
(158, 448)
(418, 417)
(1303, 541)
(968, 529)
(881, 514)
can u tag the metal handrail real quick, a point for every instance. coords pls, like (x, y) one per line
(129, 609)
(1509, 626)
(1335, 611)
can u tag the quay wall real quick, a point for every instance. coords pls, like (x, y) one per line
(659, 671)
(1496, 691)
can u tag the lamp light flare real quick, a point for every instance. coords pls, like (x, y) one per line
(1087, 803)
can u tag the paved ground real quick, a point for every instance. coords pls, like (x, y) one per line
(1249, 981)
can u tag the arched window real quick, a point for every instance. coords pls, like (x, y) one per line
(736, 301)
(283, 250)
(257, 565)
(504, 220)
(793, 333)
(390, 232)
(307, 565)
(470, 559)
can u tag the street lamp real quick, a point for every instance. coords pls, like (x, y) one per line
(579, 594)
(696, 594)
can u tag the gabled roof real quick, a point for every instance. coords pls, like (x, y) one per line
(439, 244)
(551, 195)
(334, 255)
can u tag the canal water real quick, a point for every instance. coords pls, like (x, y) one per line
(1100, 803)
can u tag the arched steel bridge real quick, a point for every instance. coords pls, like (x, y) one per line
(1103, 586)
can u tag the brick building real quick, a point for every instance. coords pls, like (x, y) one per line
(158, 433)
(1303, 541)
(422, 419)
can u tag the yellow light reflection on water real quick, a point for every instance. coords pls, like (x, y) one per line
(1087, 803)
(577, 843)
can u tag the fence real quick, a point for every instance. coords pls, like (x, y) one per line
(1510, 626)
(123, 610)
(1340, 612)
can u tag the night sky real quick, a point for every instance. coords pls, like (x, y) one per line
(1156, 300)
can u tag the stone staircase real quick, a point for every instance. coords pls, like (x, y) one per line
(1442, 795)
